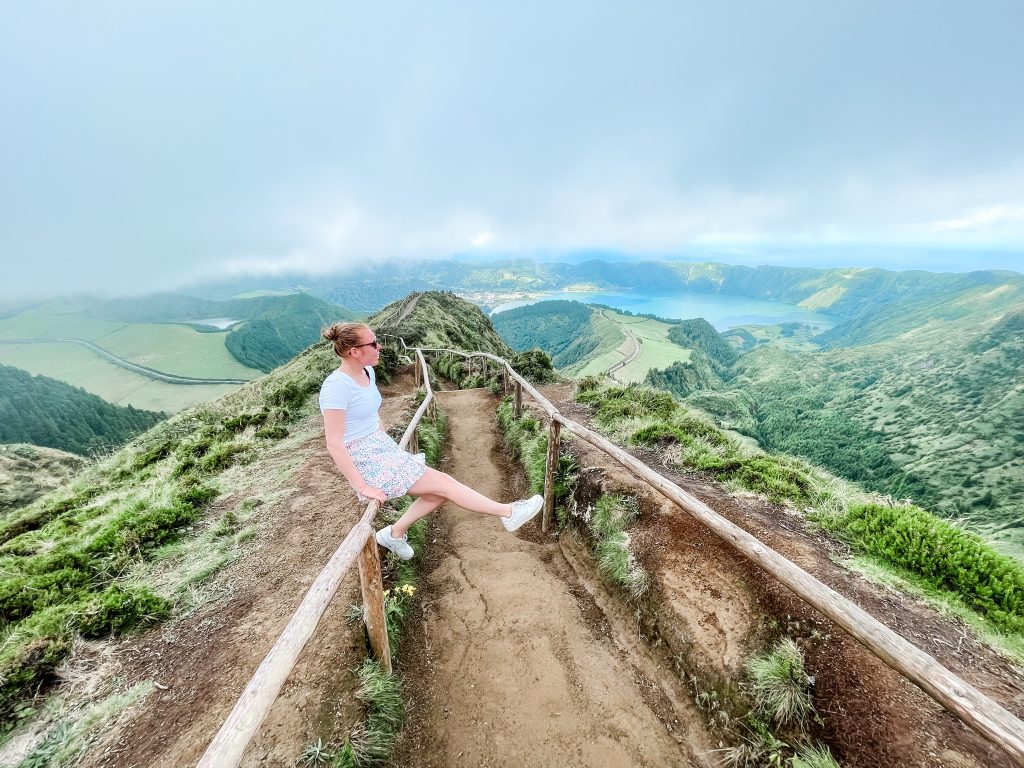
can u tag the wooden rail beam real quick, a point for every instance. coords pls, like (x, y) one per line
(550, 470)
(373, 603)
(229, 745)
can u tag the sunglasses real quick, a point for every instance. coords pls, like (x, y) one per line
(373, 343)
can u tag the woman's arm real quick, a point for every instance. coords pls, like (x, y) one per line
(334, 427)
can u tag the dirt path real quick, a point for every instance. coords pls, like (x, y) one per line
(630, 350)
(513, 664)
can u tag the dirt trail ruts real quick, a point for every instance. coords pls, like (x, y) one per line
(508, 666)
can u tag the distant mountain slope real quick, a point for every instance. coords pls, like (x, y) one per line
(28, 471)
(276, 328)
(439, 319)
(566, 330)
(47, 412)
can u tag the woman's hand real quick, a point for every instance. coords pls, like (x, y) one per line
(369, 492)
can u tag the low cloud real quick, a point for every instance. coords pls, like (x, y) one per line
(996, 218)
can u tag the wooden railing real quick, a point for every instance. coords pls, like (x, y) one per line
(980, 713)
(252, 706)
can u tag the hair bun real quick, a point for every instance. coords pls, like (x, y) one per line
(330, 334)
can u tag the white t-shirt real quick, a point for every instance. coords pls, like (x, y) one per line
(341, 392)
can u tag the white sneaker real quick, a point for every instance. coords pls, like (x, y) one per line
(399, 546)
(522, 512)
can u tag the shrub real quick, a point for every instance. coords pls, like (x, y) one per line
(243, 420)
(534, 365)
(120, 609)
(272, 433)
(943, 556)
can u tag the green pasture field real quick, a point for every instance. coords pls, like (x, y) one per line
(81, 367)
(657, 350)
(177, 349)
(166, 347)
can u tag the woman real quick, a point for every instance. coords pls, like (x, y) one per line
(373, 463)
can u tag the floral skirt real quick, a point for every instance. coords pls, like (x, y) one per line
(382, 464)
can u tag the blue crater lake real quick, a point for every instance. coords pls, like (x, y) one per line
(722, 310)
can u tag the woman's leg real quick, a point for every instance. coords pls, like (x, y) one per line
(434, 483)
(422, 507)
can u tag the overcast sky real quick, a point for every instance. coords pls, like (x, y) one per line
(145, 143)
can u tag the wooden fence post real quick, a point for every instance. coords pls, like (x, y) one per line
(519, 399)
(414, 443)
(549, 473)
(373, 603)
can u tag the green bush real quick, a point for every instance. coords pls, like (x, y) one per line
(243, 420)
(943, 556)
(272, 433)
(119, 609)
(533, 365)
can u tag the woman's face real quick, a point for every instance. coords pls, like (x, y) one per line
(368, 351)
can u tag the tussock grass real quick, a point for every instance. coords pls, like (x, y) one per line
(615, 561)
(781, 686)
(68, 740)
(813, 756)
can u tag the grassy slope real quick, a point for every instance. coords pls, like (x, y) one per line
(546, 325)
(29, 471)
(100, 554)
(567, 330)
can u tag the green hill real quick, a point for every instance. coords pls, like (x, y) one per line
(47, 412)
(440, 319)
(566, 330)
